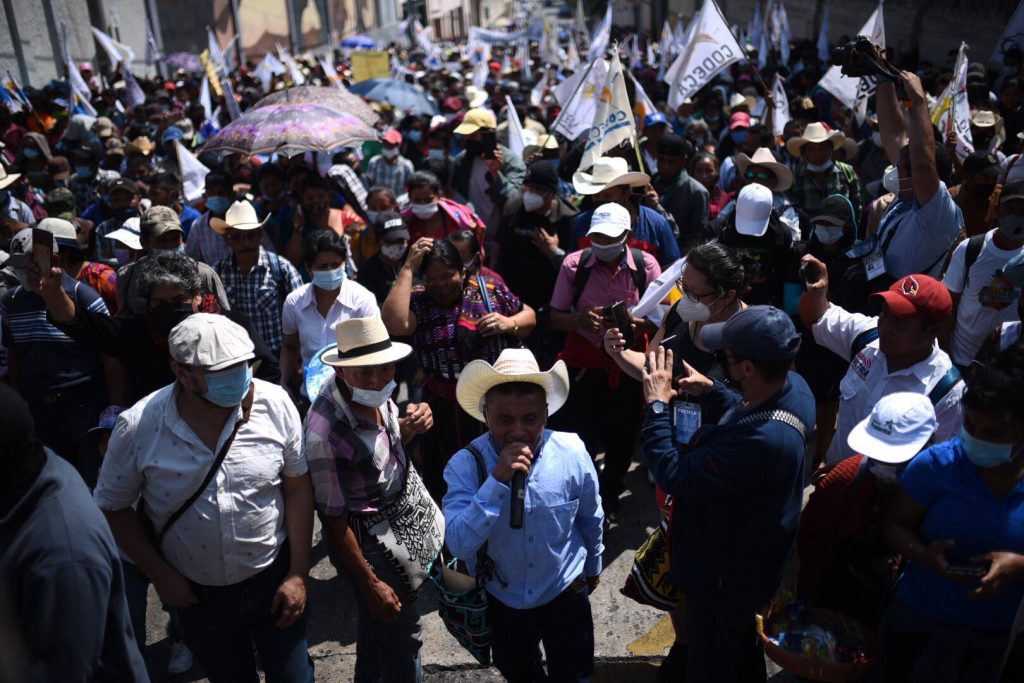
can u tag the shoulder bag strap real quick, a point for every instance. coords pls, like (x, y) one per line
(777, 415)
(485, 568)
(176, 515)
(481, 282)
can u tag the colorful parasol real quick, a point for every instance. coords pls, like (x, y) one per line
(338, 99)
(291, 128)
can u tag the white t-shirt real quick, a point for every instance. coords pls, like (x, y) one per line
(315, 331)
(988, 300)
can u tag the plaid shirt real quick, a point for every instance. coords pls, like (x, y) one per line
(396, 175)
(348, 474)
(261, 292)
(806, 193)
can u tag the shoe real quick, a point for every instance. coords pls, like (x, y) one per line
(181, 658)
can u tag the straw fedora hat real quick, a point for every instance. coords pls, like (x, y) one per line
(240, 215)
(513, 365)
(140, 145)
(607, 172)
(764, 157)
(815, 132)
(361, 342)
(7, 179)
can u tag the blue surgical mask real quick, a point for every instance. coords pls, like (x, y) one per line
(985, 454)
(828, 234)
(83, 171)
(328, 280)
(227, 388)
(218, 205)
(30, 153)
(739, 136)
(819, 168)
(414, 135)
(180, 249)
(437, 154)
(372, 215)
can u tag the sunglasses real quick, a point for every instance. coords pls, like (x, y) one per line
(753, 175)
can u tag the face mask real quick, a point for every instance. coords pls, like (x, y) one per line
(984, 191)
(180, 249)
(885, 472)
(891, 180)
(328, 280)
(30, 153)
(424, 211)
(819, 168)
(739, 136)
(876, 140)
(437, 154)
(372, 215)
(393, 252)
(218, 205)
(83, 171)
(166, 316)
(608, 252)
(532, 201)
(1011, 227)
(317, 209)
(4, 196)
(275, 197)
(985, 453)
(389, 152)
(473, 148)
(373, 398)
(828, 234)
(414, 135)
(691, 310)
(123, 212)
(227, 388)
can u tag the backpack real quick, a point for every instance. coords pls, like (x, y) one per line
(275, 269)
(583, 274)
(974, 246)
(938, 392)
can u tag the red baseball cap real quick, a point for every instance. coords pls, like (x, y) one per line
(918, 296)
(740, 119)
(392, 137)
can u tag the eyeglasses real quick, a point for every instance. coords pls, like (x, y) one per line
(689, 292)
(758, 176)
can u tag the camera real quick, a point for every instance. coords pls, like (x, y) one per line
(860, 57)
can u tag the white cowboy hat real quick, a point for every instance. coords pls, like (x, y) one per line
(6, 178)
(361, 342)
(240, 216)
(607, 172)
(815, 132)
(984, 119)
(513, 365)
(764, 157)
(475, 97)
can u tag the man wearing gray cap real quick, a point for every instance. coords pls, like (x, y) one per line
(736, 479)
(215, 463)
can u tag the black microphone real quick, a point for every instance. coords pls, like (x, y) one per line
(515, 517)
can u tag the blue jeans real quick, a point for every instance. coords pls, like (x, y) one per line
(565, 626)
(228, 620)
(387, 651)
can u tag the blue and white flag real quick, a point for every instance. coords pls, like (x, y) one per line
(602, 36)
(116, 51)
(710, 48)
(854, 92)
(613, 117)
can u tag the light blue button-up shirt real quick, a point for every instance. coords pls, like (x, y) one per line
(923, 234)
(563, 522)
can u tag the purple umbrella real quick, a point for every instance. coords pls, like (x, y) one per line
(339, 99)
(291, 128)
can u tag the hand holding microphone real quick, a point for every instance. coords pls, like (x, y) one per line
(514, 463)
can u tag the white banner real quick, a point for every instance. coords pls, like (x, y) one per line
(848, 90)
(1013, 34)
(193, 173)
(491, 37)
(711, 48)
(780, 117)
(613, 118)
(577, 96)
(659, 289)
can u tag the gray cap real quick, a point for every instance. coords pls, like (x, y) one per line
(157, 220)
(209, 341)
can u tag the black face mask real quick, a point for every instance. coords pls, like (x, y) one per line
(473, 148)
(166, 316)
(984, 191)
(317, 209)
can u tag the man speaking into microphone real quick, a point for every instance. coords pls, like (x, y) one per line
(546, 554)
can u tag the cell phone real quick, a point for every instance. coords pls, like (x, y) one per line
(42, 251)
(488, 142)
(623, 321)
(809, 273)
(974, 571)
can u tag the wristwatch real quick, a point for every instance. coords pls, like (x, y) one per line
(657, 406)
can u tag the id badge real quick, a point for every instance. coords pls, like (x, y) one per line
(874, 265)
(685, 420)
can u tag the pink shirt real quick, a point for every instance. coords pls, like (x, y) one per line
(604, 287)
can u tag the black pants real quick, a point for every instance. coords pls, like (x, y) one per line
(604, 418)
(723, 644)
(565, 626)
(63, 420)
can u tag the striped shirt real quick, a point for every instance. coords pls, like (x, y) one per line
(396, 175)
(356, 466)
(50, 360)
(261, 292)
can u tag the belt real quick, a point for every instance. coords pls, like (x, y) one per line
(283, 557)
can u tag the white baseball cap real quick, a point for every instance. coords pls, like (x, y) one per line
(63, 231)
(209, 341)
(753, 209)
(21, 249)
(611, 220)
(898, 427)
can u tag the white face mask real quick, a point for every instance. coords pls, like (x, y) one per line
(891, 180)
(532, 201)
(691, 310)
(389, 153)
(394, 252)
(373, 398)
(828, 234)
(424, 211)
(608, 252)
(819, 168)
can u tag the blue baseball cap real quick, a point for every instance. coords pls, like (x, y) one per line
(757, 333)
(108, 418)
(172, 133)
(654, 119)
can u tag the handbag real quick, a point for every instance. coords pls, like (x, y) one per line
(650, 581)
(409, 532)
(464, 611)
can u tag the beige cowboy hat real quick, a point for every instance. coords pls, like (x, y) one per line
(240, 215)
(513, 365)
(815, 132)
(984, 119)
(140, 145)
(607, 172)
(7, 179)
(362, 342)
(764, 157)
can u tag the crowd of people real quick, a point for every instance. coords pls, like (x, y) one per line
(423, 338)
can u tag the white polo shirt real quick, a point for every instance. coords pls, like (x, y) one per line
(236, 527)
(869, 379)
(316, 331)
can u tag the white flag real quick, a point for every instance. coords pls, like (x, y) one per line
(780, 117)
(603, 34)
(824, 54)
(293, 69)
(216, 54)
(268, 67)
(78, 95)
(152, 49)
(711, 48)
(848, 90)
(755, 27)
(613, 118)
(577, 96)
(133, 95)
(193, 173)
(1013, 34)
(537, 94)
(116, 51)
(642, 104)
(204, 98)
(665, 44)
(234, 111)
(572, 58)
(480, 75)
(515, 129)
(953, 109)
(330, 73)
(779, 22)
(581, 21)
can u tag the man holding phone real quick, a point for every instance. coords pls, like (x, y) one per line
(486, 173)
